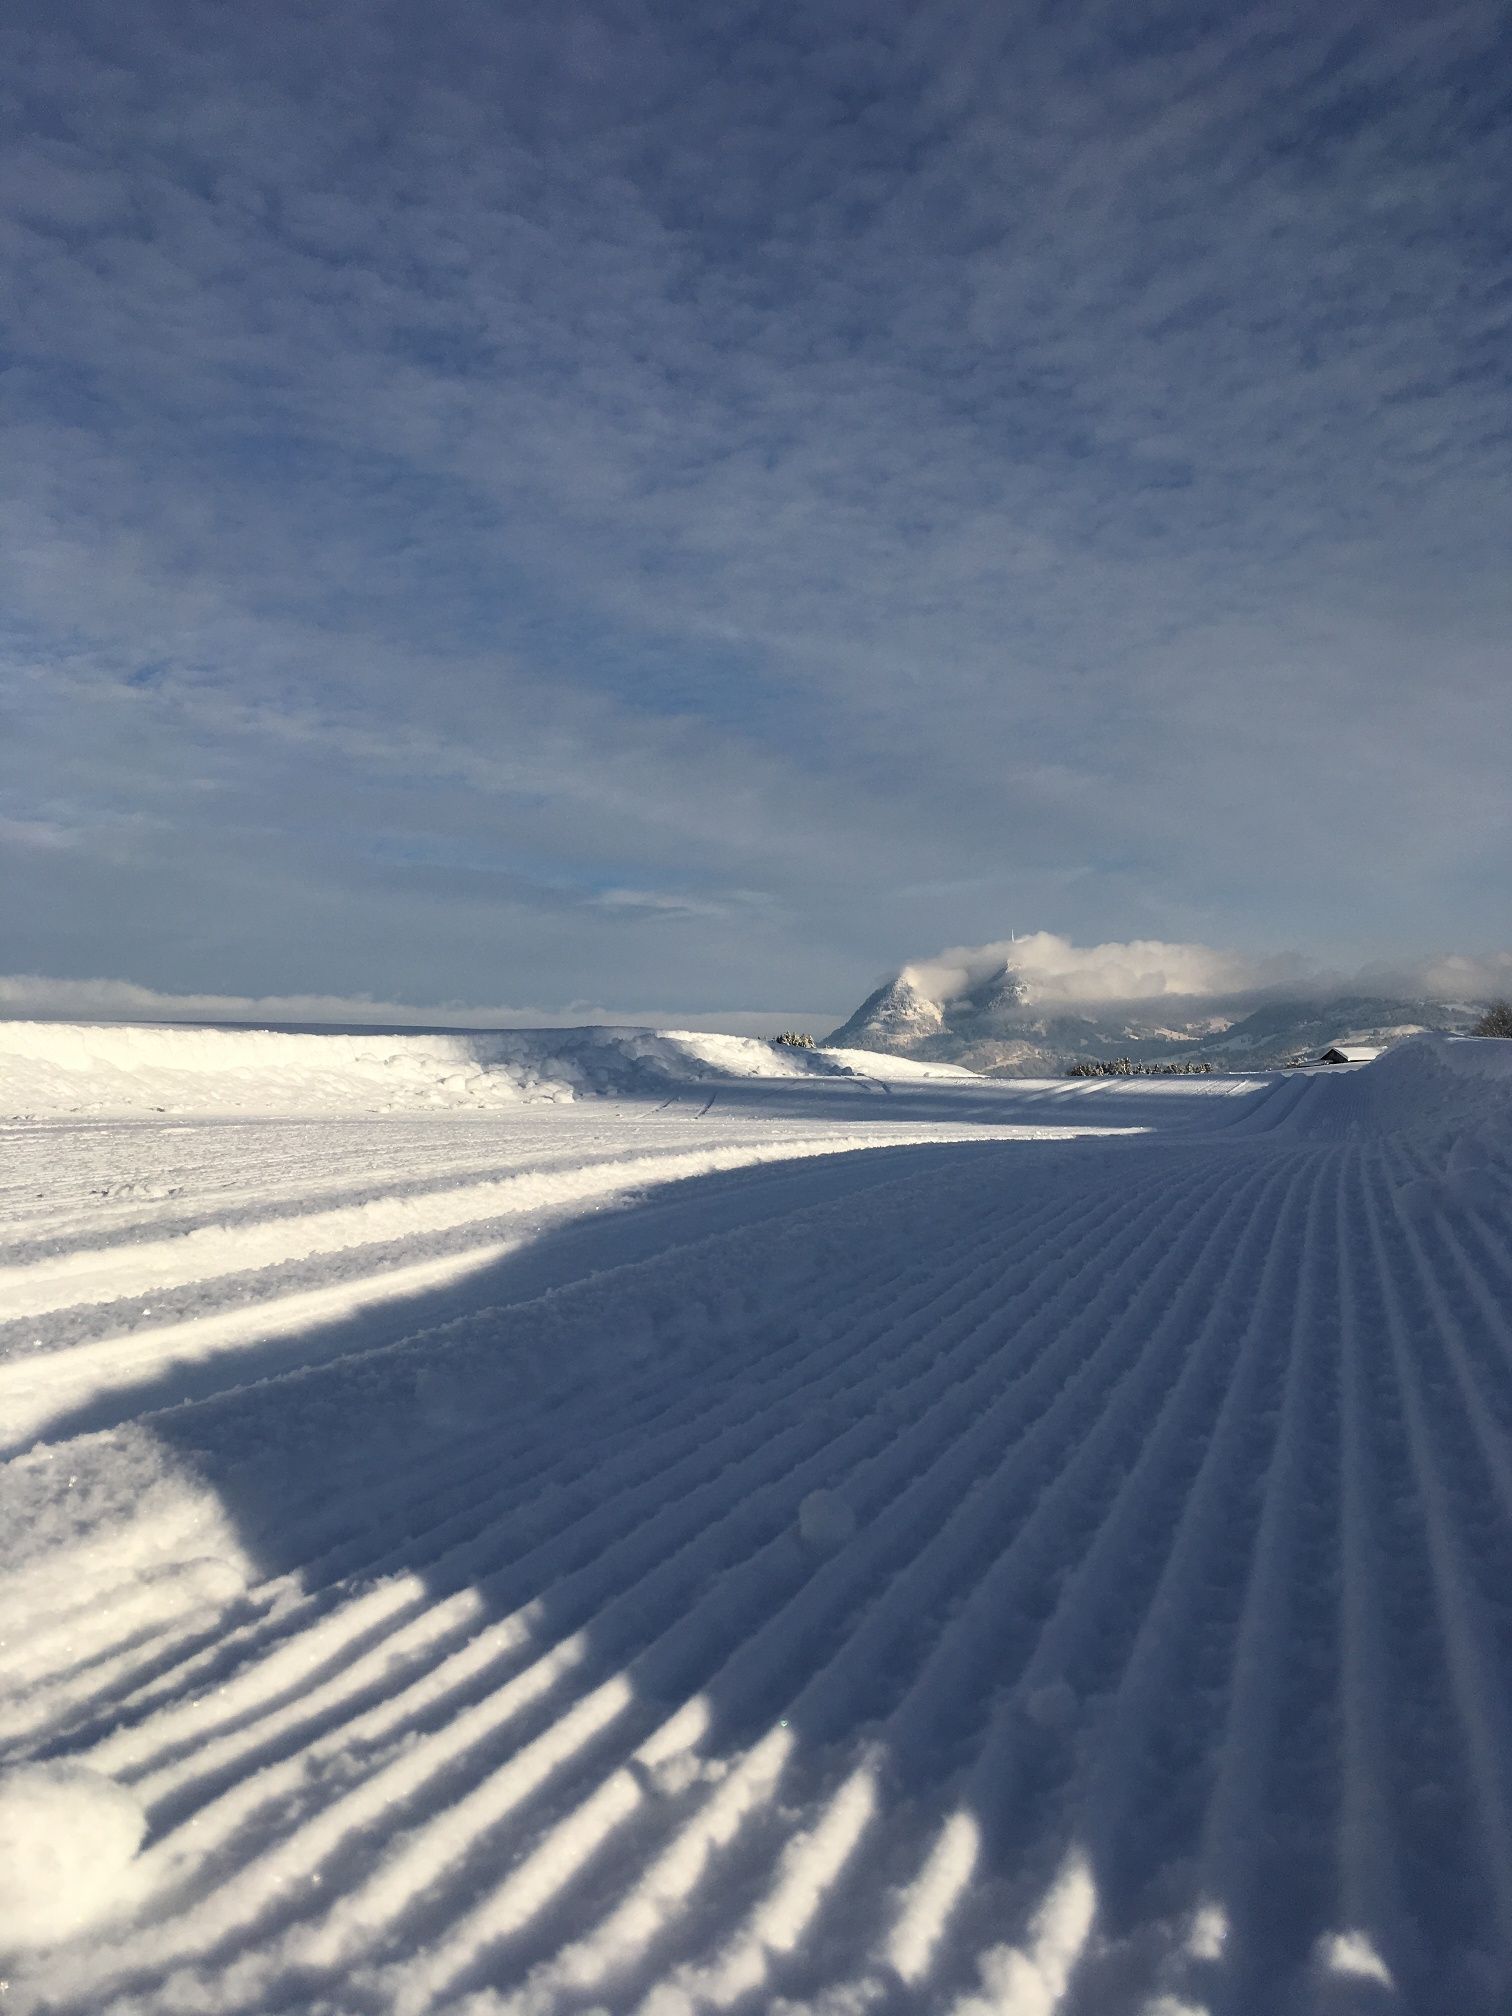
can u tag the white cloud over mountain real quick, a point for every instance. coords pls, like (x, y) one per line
(1057, 973)
(1141, 969)
(1452, 976)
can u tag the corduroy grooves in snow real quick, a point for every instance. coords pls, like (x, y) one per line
(736, 1542)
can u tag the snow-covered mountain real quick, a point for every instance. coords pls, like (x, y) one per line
(998, 1025)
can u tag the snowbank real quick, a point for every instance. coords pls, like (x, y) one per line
(51, 1068)
(1446, 1090)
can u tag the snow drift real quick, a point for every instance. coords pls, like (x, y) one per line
(1451, 1094)
(117, 1069)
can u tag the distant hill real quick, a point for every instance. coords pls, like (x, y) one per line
(996, 1026)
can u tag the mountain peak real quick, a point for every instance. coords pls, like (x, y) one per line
(1002, 993)
(996, 1024)
(898, 1017)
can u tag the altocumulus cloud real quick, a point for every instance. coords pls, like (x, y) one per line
(683, 506)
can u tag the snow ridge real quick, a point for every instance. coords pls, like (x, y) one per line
(118, 1069)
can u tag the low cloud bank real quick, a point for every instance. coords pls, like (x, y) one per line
(32, 996)
(1150, 969)
(1056, 971)
(1451, 977)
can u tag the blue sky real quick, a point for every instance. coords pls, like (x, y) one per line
(688, 508)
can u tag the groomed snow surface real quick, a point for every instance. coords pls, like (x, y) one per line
(657, 1524)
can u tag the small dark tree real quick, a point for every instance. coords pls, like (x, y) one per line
(1497, 1020)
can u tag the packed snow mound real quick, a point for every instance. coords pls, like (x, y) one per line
(68, 1837)
(1450, 1093)
(120, 1069)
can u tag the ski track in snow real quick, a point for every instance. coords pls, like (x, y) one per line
(997, 1548)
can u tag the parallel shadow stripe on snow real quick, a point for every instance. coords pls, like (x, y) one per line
(499, 1456)
(1121, 1801)
(59, 1281)
(1185, 1507)
(868, 1655)
(475, 1671)
(464, 1520)
(1183, 1471)
(1135, 1367)
(1439, 1870)
(103, 1380)
(224, 1704)
(1076, 1554)
(593, 1459)
(1473, 1329)
(661, 1409)
(1303, 1450)
(809, 1867)
(1480, 1701)
(1371, 1896)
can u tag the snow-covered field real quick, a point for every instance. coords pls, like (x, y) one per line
(660, 1524)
